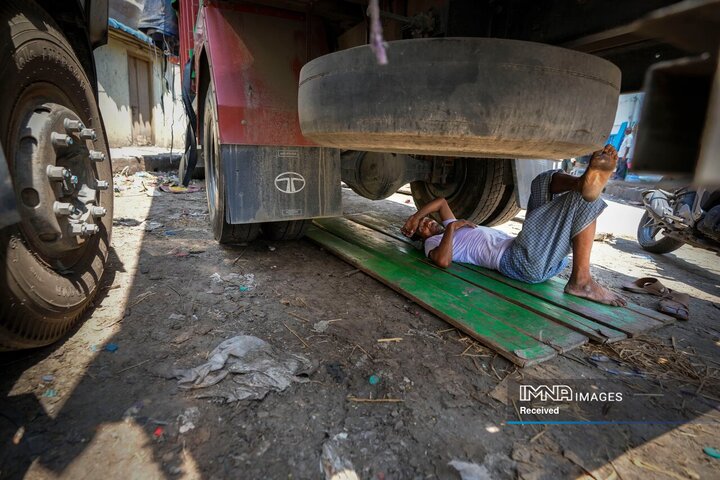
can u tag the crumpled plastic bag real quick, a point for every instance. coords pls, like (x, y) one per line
(256, 368)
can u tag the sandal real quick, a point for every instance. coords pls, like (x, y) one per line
(673, 303)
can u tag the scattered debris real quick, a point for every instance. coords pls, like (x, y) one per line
(500, 392)
(712, 452)
(218, 284)
(298, 336)
(336, 371)
(132, 412)
(111, 347)
(334, 460)
(256, 366)
(471, 471)
(389, 340)
(374, 400)
(126, 222)
(159, 432)
(150, 226)
(660, 359)
(600, 360)
(374, 379)
(50, 393)
(180, 188)
(271, 248)
(174, 317)
(605, 237)
(655, 468)
(322, 325)
(187, 419)
(48, 378)
(351, 272)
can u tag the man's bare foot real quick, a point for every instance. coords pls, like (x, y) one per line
(602, 165)
(595, 292)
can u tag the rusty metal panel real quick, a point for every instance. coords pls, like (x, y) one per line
(255, 58)
(269, 184)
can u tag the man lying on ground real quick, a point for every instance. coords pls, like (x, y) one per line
(561, 217)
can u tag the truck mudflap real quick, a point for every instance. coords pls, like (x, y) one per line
(525, 171)
(271, 183)
(8, 208)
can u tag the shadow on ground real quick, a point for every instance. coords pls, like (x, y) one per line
(115, 413)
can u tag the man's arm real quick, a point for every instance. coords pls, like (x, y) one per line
(439, 205)
(442, 254)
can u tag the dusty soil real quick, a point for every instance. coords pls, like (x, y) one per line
(113, 414)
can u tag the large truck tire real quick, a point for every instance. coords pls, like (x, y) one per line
(460, 97)
(478, 191)
(49, 275)
(223, 231)
(506, 210)
(285, 230)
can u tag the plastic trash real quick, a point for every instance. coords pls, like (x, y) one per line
(374, 379)
(256, 368)
(187, 419)
(48, 378)
(50, 393)
(111, 347)
(470, 471)
(335, 459)
(712, 452)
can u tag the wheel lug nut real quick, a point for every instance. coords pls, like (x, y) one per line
(73, 125)
(102, 185)
(96, 156)
(60, 139)
(88, 134)
(62, 208)
(56, 173)
(83, 229)
(98, 211)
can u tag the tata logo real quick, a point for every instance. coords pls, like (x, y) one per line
(290, 182)
(544, 393)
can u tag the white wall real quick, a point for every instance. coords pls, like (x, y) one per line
(628, 110)
(114, 94)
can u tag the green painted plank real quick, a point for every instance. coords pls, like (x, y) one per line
(595, 331)
(556, 335)
(514, 345)
(631, 320)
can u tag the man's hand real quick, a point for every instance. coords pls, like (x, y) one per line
(411, 226)
(458, 224)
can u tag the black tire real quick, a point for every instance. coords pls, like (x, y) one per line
(286, 230)
(38, 303)
(646, 236)
(478, 192)
(460, 97)
(507, 210)
(223, 231)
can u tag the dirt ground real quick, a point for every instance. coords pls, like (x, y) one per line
(115, 415)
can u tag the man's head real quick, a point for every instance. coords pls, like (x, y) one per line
(628, 131)
(427, 228)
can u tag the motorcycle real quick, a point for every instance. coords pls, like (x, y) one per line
(686, 216)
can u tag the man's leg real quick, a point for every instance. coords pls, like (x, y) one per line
(581, 283)
(562, 220)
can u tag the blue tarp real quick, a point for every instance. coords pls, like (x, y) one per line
(112, 23)
(158, 16)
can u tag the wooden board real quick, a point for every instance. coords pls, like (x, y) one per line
(630, 320)
(525, 323)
